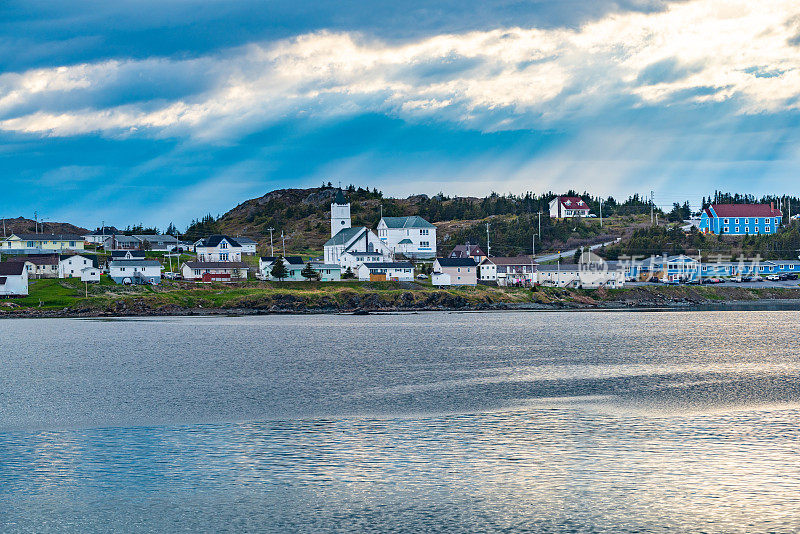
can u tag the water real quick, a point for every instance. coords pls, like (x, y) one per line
(503, 422)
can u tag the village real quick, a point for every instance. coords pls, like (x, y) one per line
(399, 249)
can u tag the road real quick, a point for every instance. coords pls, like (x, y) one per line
(570, 253)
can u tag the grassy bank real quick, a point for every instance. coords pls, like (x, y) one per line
(69, 297)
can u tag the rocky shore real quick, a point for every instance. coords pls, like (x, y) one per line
(377, 301)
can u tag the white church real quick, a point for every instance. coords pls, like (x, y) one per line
(348, 246)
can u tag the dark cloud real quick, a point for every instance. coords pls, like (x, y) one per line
(49, 33)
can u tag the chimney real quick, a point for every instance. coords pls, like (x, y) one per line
(772, 205)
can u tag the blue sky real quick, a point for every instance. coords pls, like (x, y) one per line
(155, 112)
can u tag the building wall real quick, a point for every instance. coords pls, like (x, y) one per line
(739, 225)
(219, 253)
(462, 276)
(423, 240)
(340, 218)
(44, 245)
(15, 285)
(71, 267)
(119, 274)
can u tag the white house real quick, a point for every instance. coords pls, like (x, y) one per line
(13, 279)
(39, 265)
(90, 274)
(353, 259)
(248, 245)
(218, 248)
(508, 271)
(349, 239)
(98, 236)
(135, 271)
(214, 271)
(414, 237)
(579, 276)
(294, 265)
(71, 265)
(128, 255)
(402, 271)
(568, 207)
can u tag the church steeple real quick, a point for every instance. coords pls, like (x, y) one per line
(340, 213)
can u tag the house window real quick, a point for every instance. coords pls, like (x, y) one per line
(767, 230)
(727, 229)
(424, 231)
(726, 221)
(737, 221)
(424, 243)
(737, 229)
(72, 243)
(223, 245)
(122, 269)
(30, 244)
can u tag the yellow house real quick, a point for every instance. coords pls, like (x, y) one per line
(44, 242)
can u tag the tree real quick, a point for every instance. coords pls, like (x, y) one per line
(309, 273)
(171, 230)
(146, 245)
(348, 274)
(279, 269)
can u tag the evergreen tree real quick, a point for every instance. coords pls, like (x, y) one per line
(309, 273)
(279, 269)
(348, 274)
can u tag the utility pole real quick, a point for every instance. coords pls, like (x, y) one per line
(271, 248)
(284, 243)
(700, 266)
(601, 213)
(488, 247)
(35, 223)
(540, 226)
(651, 207)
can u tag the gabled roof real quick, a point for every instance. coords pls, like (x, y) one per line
(37, 259)
(48, 237)
(123, 253)
(246, 241)
(456, 262)
(390, 265)
(556, 267)
(121, 238)
(157, 238)
(573, 203)
(503, 260)
(134, 263)
(295, 260)
(91, 257)
(744, 210)
(320, 265)
(214, 240)
(340, 199)
(465, 251)
(216, 265)
(12, 268)
(353, 253)
(405, 242)
(413, 221)
(344, 236)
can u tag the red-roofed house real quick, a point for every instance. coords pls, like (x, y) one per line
(567, 207)
(740, 219)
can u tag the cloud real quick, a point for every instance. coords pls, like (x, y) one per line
(699, 52)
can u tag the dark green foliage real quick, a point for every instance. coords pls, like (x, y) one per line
(309, 273)
(206, 226)
(348, 274)
(279, 269)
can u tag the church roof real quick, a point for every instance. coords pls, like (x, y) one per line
(340, 198)
(414, 221)
(344, 236)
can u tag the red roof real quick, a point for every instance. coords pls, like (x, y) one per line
(744, 210)
(573, 203)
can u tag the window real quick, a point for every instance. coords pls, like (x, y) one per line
(122, 269)
(424, 244)
(767, 230)
(727, 229)
(72, 243)
(737, 229)
(726, 221)
(223, 245)
(424, 231)
(30, 244)
(737, 221)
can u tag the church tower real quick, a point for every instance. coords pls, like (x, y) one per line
(340, 213)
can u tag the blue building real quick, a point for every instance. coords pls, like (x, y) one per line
(740, 219)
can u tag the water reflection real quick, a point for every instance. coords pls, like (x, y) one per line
(691, 425)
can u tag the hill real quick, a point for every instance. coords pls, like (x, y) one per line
(303, 215)
(21, 225)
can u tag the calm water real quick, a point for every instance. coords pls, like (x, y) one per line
(542, 422)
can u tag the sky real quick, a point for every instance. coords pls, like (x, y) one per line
(163, 111)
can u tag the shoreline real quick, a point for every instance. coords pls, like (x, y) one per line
(787, 304)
